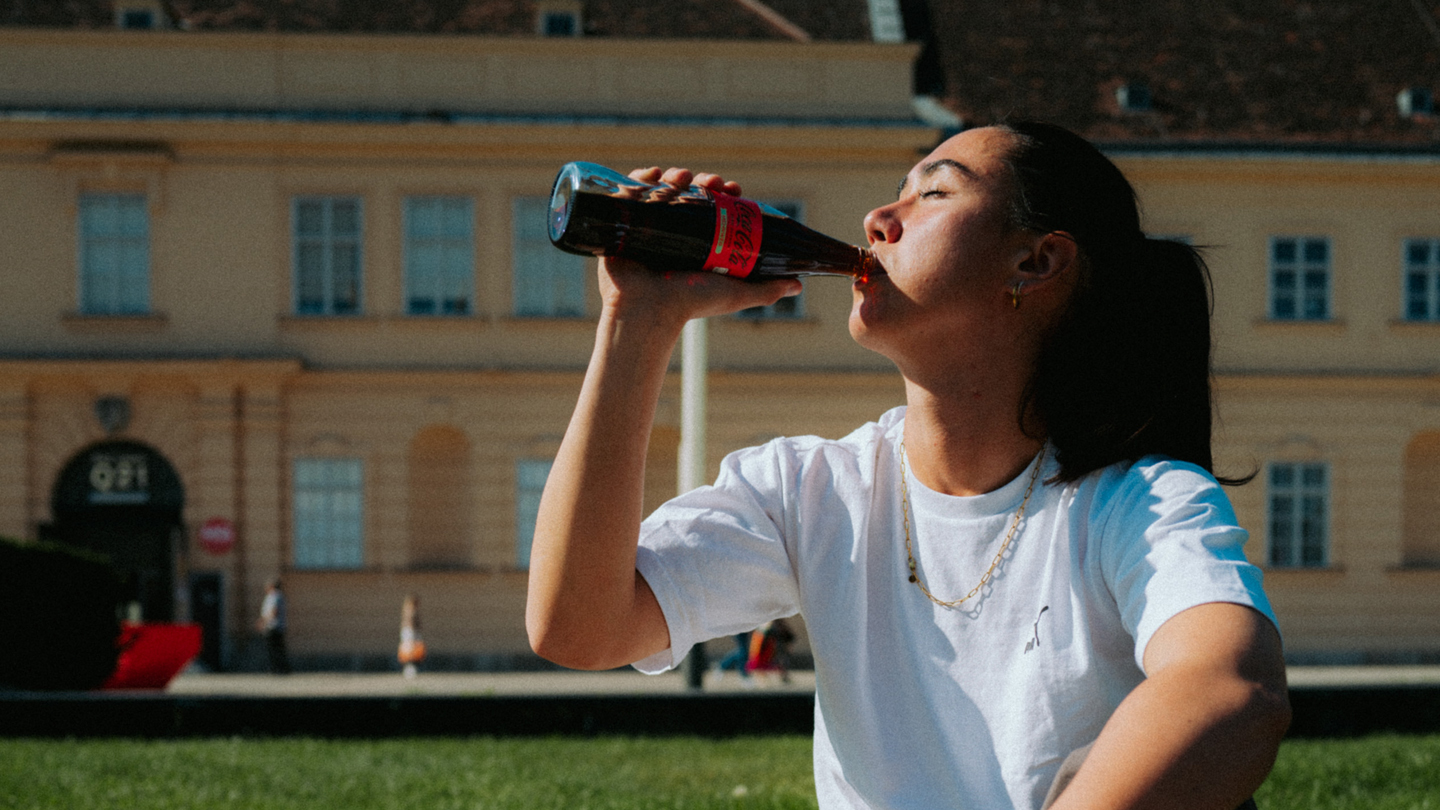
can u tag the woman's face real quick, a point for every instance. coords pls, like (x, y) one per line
(949, 252)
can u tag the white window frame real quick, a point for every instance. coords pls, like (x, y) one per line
(328, 508)
(790, 308)
(530, 476)
(1301, 271)
(1427, 298)
(328, 242)
(1302, 501)
(439, 255)
(113, 256)
(546, 282)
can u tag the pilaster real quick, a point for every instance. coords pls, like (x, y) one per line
(261, 550)
(14, 461)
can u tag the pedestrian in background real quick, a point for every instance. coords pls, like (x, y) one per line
(272, 624)
(736, 659)
(412, 647)
(770, 649)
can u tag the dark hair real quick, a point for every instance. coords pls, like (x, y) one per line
(1126, 371)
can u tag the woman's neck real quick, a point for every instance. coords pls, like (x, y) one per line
(967, 442)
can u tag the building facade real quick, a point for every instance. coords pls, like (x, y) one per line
(305, 281)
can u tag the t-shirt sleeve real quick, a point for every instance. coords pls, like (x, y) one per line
(717, 557)
(1170, 541)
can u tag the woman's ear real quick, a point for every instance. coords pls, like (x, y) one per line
(1050, 257)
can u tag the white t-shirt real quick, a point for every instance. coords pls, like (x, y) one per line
(920, 706)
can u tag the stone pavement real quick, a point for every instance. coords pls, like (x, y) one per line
(476, 684)
(630, 682)
(1328, 702)
(1363, 676)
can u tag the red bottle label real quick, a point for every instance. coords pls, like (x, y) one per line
(737, 236)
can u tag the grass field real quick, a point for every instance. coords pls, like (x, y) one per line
(1375, 773)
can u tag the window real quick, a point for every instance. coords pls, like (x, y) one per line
(1300, 278)
(1133, 97)
(1422, 279)
(530, 475)
(327, 255)
(549, 283)
(329, 500)
(114, 254)
(557, 18)
(143, 14)
(792, 306)
(887, 24)
(137, 18)
(1299, 515)
(559, 24)
(1415, 102)
(439, 255)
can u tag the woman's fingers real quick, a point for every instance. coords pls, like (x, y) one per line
(715, 182)
(650, 175)
(631, 286)
(684, 178)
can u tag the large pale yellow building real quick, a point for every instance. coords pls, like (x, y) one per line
(301, 284)
(298, 285)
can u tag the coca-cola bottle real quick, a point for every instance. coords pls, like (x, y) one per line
(595, 211)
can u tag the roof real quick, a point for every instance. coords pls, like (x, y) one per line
(1233, 71)
(1220, 74)
(824, 20)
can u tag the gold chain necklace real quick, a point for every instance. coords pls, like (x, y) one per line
(999, 555)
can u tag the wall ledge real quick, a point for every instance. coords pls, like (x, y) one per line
(86, 323)
(1271, 326)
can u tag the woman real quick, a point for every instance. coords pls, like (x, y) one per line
(1030, 556)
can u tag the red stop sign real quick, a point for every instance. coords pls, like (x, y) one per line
(217, 535)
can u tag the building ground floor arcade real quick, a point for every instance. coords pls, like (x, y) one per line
(360, 487)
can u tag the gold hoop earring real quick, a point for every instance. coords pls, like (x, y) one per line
(1015, 294)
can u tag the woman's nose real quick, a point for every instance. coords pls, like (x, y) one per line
(881, 225)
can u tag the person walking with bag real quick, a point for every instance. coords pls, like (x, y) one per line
(412, 647)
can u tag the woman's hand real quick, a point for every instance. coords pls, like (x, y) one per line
(629, 289)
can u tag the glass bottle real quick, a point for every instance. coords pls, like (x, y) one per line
(595, 211)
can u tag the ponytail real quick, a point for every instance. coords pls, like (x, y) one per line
(1125, 373)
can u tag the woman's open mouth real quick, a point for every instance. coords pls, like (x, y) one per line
(870, 268)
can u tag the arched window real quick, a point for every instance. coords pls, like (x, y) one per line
(440, 498)
(1422, 501)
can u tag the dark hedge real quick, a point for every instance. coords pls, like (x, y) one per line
(58, 621)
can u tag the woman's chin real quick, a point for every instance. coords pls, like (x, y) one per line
(862, 323)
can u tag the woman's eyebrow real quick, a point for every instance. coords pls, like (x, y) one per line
(935, 166)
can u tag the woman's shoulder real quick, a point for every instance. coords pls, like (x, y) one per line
(860, 443)
(1155, 473)
(857, 450)
(1154, 487)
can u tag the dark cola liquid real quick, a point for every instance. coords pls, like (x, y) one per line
(679, 234)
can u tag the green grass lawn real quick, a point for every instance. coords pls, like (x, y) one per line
(1375, 773)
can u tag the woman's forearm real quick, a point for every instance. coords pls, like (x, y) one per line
(1203, 729)
(1179, 742)
(587, 608)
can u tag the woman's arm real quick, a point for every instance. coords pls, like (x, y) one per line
(1203, 729)
(587, 607)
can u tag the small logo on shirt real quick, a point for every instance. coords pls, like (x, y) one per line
(1035, 641)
